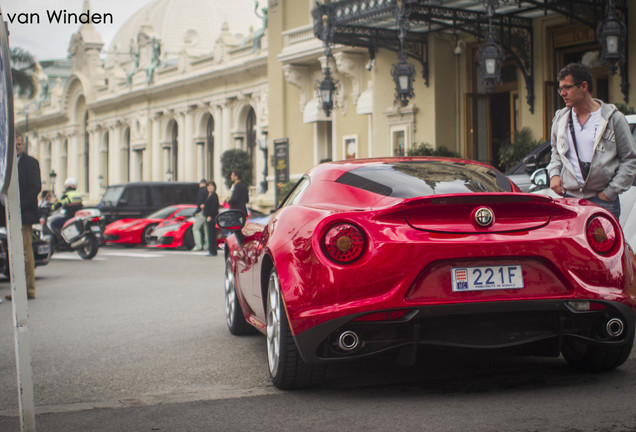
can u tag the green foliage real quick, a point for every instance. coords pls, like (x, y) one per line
(236, 160)
(625, 109)
(22, 68)
(512, 151)
(423, 149)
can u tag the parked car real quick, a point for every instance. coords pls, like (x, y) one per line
(42, 249)
(369, 256)
(137, 231)
(138, 199)
(176, 233)
(521, 171)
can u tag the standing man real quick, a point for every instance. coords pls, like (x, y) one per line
(199, 230)
(30, 184)
(593, 151)
(239, 194)
(211, 210)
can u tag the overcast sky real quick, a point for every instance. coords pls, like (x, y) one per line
(46, 40)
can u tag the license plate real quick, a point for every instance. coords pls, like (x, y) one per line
(95, 228)
(487, 278)
(43, 249)
(70, 232)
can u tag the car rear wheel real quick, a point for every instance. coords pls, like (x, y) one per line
(286, 367)
(588, 357)
(145, 235)
(233, 314)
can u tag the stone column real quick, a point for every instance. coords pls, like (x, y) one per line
(155, 148)
(114, 156)
(189, 171)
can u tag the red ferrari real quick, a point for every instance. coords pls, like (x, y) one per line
(368, 256)
(137, 231)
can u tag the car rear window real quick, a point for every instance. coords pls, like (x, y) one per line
(421, 178)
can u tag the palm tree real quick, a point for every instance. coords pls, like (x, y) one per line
(22, 68)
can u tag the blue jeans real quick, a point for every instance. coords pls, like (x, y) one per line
(613, 207)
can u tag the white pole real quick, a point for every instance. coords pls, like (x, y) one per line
(21, 331)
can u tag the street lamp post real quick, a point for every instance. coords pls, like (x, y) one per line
(52, 176)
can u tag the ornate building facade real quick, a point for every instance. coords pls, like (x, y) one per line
(163, 101)
(168, 98)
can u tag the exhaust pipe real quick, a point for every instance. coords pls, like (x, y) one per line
(348, 341)
(615, 327)
(81, 242)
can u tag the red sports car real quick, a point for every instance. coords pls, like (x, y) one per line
(367, 256)
(177, 233)
(137, 231)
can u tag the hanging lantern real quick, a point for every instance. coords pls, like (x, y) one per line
(610, 34)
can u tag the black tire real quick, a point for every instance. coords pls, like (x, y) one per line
(146, 233)
(188, 239)
(287, 369)
(90, 248)
(587, 357)
(234, 317)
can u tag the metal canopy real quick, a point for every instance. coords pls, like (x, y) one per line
(373, 24)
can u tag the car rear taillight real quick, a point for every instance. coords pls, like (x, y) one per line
(344, 243)
(601, 234)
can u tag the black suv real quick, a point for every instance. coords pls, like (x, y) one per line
(138, 199)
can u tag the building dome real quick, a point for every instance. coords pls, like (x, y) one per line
(199, 22)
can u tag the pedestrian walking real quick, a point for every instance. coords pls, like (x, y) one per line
(199, 228)
(593, 151)
(211, 210)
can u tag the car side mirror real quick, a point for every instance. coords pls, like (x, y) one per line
(232, 220)
(179, 218)
(539, 179)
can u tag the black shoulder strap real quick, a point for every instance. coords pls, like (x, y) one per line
(584, 169)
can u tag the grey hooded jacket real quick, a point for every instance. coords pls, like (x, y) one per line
(613, 165)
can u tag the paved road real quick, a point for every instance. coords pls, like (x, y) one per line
(135, 340)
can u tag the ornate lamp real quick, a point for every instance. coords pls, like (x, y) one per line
(491, 56)
(490, 59)
(610, 33)
(327, 92)
(403, 75)
(327, 88)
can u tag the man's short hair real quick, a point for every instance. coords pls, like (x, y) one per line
(579, 74)
(237, 174)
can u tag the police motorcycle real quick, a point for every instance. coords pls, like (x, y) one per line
(82, 232)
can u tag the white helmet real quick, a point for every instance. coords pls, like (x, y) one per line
(70, 183)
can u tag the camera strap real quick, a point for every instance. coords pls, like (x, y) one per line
(584, 166)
